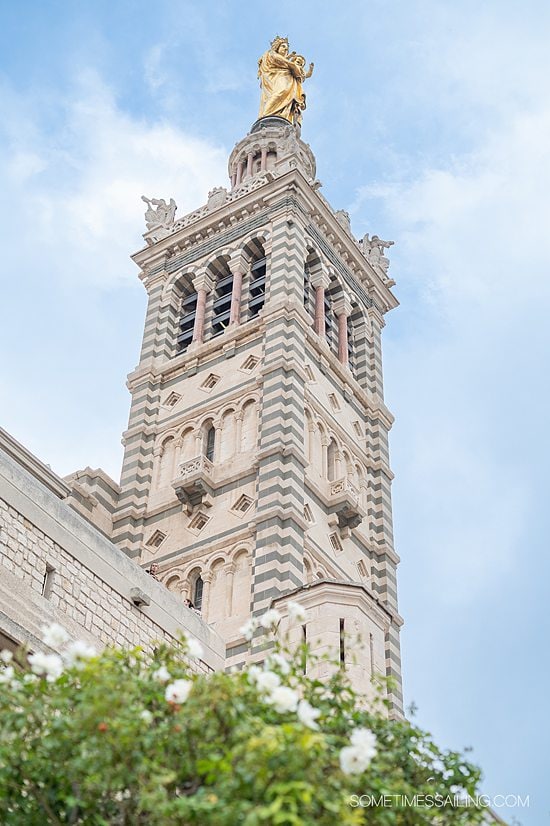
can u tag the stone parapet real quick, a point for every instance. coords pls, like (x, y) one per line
(57, 567)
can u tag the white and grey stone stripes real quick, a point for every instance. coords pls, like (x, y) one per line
(278, 558)
(288, 221)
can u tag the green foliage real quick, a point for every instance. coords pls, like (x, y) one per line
(101, 744)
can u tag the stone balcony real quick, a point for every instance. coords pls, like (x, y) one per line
(344, 499)
(194, 482)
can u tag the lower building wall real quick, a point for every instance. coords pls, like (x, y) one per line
(55, 566)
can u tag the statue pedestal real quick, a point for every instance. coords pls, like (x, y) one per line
(270, 120)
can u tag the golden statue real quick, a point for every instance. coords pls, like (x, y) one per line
(281, 76)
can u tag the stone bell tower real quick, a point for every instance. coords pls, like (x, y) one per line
(256, 462)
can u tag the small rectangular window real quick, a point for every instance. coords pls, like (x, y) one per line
(335, 543)
(198, 522)
(243, 504)
(342, 644)
(156, 539)
(210, 381)
(250, 363)
(334, 403)
(48, 581)
(172, 400)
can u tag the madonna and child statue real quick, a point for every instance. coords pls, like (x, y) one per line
(281, 77)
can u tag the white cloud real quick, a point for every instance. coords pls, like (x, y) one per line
(155, 71)
(75, 195)
(472, 262)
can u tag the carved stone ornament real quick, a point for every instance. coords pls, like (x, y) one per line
(216, 198)
(159, 214)
(373, 250)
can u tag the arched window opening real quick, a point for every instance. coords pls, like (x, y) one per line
(173, 584)
(209, 442)
(187, 321)
(351, 345)
(307, 287)
(197, 593)
(311, 267)
(221, 308)
(166, 460)
(331, 460)
(249, 427)
(256, 290)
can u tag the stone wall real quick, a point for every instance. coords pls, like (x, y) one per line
(56, 566)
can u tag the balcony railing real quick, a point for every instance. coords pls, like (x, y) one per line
(197, 465)
(341, 486)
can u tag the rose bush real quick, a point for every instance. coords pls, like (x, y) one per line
(125, 738)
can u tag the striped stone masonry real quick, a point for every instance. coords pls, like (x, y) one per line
(256, 459)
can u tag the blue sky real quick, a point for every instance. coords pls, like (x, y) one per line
(430, 124)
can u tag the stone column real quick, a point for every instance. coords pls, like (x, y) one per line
(206, 580)
(342, 309)
(263, 159)
(324, 457)
(218, 436)
(249, 159)
(229, 570)
(311, 442)
(238, 430)
(338, 465)
(237, 266)
(233, 178)
(239, 173)
(320, 281)
(203, 284)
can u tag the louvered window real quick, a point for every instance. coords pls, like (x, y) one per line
(256, 289)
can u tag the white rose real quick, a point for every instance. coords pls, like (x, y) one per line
(162, 675)
(270, 619)
(194, 648)
(307, 714)
(353, 760)
(283, 699)
(365, 740)
(77, 652)
(30, 678)
(267, 680)
(6, 675)
(146, 715)
(247, 630)
(280, 661)
(178, 691)
(50, 665)
(296, 612)
(356, 758)
(54, 635)
(252, 673)
(6, 656)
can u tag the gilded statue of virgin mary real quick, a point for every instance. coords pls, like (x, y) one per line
(281, 76)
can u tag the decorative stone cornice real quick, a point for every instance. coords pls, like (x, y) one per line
(324, 591)
(315, 209)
